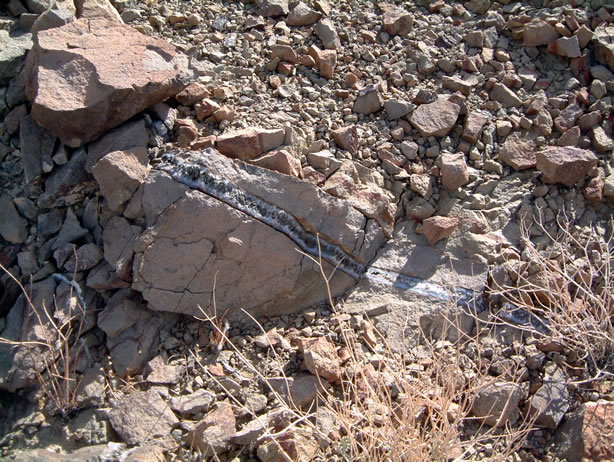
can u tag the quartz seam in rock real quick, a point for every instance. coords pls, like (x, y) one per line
(463, 297)
(199, 178)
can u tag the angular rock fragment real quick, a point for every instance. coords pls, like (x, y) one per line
(299, 390)
(369, 101)
(435, 119)
(321, 359)
(473, 126)
(255, 220)
(325, 30)
(212, 435)
(143, 417)
(518, 152)
(279, 160)
(454, 171)
(131, 331)
(12, 225)
(505, 96)
(497, 403)
(588, 433)
(91, 75)
(396, 20)
(120, 173)
(565, 165)
(302, 15)
(550, 402)
(347, 138)
(37, 146)
(249, 143)
(538, 32)
(13, 49)
(568, 47)
(272, 8)
(438, 228)
(603, 39)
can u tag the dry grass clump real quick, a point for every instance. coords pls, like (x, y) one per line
(568, 290)
(388, 406)
(50, 345)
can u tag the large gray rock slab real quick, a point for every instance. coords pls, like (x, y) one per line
(411, 288)
(13, 49)
(247, 235)
(91, 75)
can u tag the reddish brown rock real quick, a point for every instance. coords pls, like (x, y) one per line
(435, 119)
(438, 228)
(538, 32)
(193, 93)
(518, 152)
(280, 161)
(565, 165)
(347, 138)
(568, 47)
(249, 143)
(327, 62)
(474, 125)
(454, 171)
(205, 108)
(285, 53)
(594, 189)
(212, 435)
(302, 15)
(91, 75)
(588, 433)
(321, 359)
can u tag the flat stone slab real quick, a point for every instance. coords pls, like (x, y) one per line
(411, 288)
(226, 229)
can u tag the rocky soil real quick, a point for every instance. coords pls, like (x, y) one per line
(225, 215)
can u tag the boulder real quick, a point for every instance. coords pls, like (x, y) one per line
(565, 165)
(538, 32)
(89, 76)
(256, 220)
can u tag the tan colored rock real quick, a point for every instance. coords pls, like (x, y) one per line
(454, 171)
(212, 435)
(473, 126)
(497, 403)
(594, 189)
(568, 47)
(565, 165)
(249, 143)
(538, 32)
(326, 31)
(193, 93)
(396, 20)
(602, 142)
(363, 189)
(91, 75)
(327, 62)
(505, 96)
(120, 173)
(279, 160)
(369, 100)
(143, 417)
(97, 9)
(435, 119)
(204, 108)
(258, 266)
(284, 53)
(302, 15)
(438, 228)
(518, 152)
(603, 39)
(347, 138)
